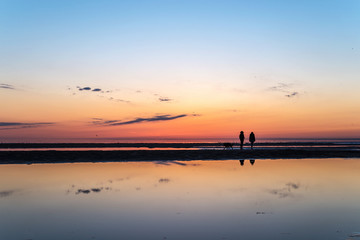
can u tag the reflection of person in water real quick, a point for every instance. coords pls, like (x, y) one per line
(242, 162)
(242, 138)
(252, 139)
(252, 161)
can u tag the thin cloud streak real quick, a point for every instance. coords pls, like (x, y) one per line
(281, 87)
(165, 99)
(284, 88)
(99, 92)
(7, 86)
(157, 118)
(119, 100)
(84, 88)
(20, 125)
(292, 94)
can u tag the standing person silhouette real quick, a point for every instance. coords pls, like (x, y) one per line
(252, 139)
(242, 138)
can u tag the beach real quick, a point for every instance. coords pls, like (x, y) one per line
(70, 153)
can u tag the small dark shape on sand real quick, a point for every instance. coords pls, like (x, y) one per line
(228, 145)
(164, 180)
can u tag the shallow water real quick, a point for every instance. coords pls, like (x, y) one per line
(271, 199)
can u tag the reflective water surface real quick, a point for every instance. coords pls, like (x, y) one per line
(233, 199)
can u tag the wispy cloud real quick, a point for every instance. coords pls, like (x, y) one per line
(239, 90)
(284, 88)
(280, 87)
(292, 94)
(97, 119)
(87, 191)
(99, 92)
(7, 86)
(84, 88)
(156, 118)
(110, 94)
(119, 100)
(20, 125)
(165, 99)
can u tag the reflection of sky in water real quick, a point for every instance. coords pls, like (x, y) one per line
(271, 199)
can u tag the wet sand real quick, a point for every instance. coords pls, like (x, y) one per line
(160, 145)
(30, 157)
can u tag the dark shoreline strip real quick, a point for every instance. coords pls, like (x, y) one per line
(162, 145)
(29, 157)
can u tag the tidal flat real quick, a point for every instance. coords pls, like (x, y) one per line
(224, 199)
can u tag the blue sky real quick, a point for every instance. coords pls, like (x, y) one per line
(187, 51)
(182, 35)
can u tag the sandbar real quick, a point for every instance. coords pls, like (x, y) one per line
(30, 157)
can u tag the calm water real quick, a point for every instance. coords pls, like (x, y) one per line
(271, 199)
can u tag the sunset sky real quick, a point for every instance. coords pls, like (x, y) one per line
(179, 69)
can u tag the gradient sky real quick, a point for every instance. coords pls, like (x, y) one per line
(182, 69)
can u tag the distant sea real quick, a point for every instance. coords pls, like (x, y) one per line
(180, 140)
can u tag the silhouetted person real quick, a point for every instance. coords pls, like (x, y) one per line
(242, 138)
(242, 162)
(252, 161)
(252, 139)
